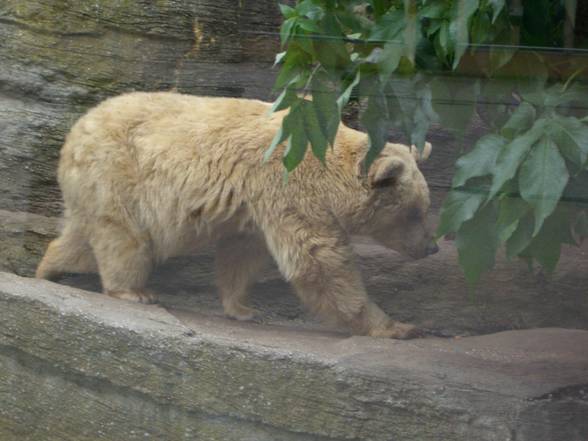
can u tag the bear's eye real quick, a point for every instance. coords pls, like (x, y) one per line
(414, 215)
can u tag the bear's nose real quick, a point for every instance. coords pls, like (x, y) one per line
(432, 248)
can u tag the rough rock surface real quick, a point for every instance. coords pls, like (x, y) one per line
(23, 240)
(61, 57)
(80, 366)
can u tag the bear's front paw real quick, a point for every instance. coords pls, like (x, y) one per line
(134, 296)
(397, 330)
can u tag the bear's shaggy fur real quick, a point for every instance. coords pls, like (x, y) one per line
(147, 176)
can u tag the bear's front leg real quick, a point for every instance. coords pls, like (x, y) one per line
(340, 296)
(317, 259)
(378, 324)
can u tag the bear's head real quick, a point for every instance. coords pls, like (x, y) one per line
(400, 198)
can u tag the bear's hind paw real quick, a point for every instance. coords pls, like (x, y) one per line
(241, 312)
(397, 330)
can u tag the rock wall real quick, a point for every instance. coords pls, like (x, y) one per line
(61, 57)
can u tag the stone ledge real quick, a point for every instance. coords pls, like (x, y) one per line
(431, 293)
(77, 365)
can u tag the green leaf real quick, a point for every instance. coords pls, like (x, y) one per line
(423, 116)
(388, 27)
(379, 6)
(481, 29)
(279, 57)
(477, 243)
(304, 41)
(286, 30)
(418, 137)
(375, 121)
(492, 107)
(571, 136)
(324, 101)
(351, 21)
(459, 206)
(559, 224)
(282, 134)
(546, 251)
(500, 55)
(344, 98)
(435, 9)
(458, 29)
(542, 180)
(409, 103)
(279, 138)
(520, 121)
(330, 48)
(512, 154)
(546, 246)
(455, 103)
(390, 58)
(308, 25)
(318, 141)
(521, 238)
(480, 161)
(462, 101)
(292, 71)
(284, 100)
(287, 11)
(375, 56)
(511, 209)
(411, 36)
(295, 151)
(298, 141)
(288, 72)
(557, 95)
(444, 40)
(494, 98)
(434, 27)
(537, 98)
(497, 7)
(310, 9)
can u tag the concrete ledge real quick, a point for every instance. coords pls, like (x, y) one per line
(78, 366)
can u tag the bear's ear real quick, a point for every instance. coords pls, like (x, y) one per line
(385, 171)
(421, 156)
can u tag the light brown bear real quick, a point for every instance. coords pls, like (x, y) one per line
(147, 176)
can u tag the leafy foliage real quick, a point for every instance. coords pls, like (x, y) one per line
(517, 187)
(531, 170)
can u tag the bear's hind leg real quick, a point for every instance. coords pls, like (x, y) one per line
(239, 259)
(69, 253)
(124, 260)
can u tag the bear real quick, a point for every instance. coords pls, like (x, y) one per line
(147, 176)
